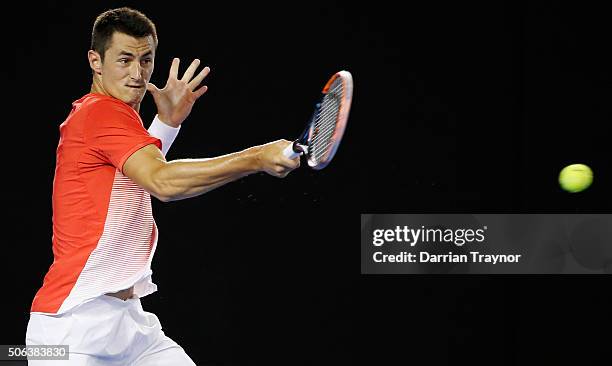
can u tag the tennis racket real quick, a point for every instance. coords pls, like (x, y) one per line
(321, 138)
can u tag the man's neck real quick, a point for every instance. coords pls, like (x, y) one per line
(98, 89)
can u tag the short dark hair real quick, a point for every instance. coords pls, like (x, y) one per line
(124, 20)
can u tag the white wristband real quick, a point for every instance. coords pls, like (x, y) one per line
(165, 133)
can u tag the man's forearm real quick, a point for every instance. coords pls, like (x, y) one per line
(180, 179)
(164, 132)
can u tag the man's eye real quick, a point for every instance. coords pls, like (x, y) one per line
(123, 60)
(146, 61)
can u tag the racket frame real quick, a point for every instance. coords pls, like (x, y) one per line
(303, 144)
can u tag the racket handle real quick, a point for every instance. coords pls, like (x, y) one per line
(290, 152)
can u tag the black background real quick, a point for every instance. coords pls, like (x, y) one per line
(457, 108)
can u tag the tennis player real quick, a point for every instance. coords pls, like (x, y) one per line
(108, 165)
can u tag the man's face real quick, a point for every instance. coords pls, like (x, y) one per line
(127, 67)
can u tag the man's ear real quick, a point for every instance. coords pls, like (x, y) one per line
(95, 61)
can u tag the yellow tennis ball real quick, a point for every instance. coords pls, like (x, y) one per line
(575, 178)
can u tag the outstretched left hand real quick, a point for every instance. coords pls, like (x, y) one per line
(175, 100)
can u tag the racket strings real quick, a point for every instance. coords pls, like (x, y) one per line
(322, 140)
(325, 123)
(324, 130)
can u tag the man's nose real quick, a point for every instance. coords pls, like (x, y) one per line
(135, 71)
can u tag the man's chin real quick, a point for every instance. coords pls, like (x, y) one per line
(134, 98)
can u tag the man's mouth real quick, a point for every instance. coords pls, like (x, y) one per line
(136, 86)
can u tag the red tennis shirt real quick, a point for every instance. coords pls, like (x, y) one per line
(104, 234)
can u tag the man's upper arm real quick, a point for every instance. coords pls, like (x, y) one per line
(141, 167)
(116, 131)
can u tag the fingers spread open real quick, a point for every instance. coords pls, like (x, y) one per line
(174, 68)
(198, 79)
(190, 70)
(198, 93)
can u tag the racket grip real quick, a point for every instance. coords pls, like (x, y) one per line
(290, 152)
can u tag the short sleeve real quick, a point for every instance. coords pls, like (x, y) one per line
(115, 131)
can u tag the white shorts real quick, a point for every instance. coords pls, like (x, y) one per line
(106, 331)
